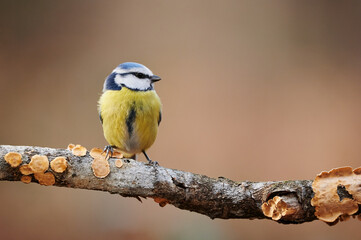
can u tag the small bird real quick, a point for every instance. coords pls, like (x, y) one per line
(130, 110)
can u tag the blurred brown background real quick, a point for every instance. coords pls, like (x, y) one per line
(252, 90)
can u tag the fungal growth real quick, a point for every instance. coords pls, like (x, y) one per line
(26, 170)
(337, 193)
(70, 146)
(13, 158)
(100, 164)
(280, 207)
(161, 201)
(59, 164)
(100, 167)
(26, 179)
(46, 179)
(117, 154)
(39, 163)
(118, 163)
(38, 166)
(78, 150)
(99, 153)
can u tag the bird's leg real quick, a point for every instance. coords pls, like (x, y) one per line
(155, 163)
(108, 149)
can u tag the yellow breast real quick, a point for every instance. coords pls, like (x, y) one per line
(130, 118)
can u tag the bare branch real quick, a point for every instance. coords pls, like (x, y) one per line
(216, 198)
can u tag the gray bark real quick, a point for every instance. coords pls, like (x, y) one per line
(216, 198)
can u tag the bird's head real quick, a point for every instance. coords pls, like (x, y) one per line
(131, 75)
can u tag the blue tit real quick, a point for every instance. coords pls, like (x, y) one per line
(130, 109)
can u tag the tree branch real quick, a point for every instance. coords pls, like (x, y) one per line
(216, 198)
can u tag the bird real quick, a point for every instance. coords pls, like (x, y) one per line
(130, 110)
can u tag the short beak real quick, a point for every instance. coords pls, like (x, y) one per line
(155, 78)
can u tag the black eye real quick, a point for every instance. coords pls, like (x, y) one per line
(140, 75)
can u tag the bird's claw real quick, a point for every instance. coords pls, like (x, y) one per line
(150, 162)
(154, 163)
(108, 149)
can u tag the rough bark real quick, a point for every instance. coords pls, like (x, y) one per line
(216, 198)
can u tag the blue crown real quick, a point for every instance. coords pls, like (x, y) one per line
(128, 65)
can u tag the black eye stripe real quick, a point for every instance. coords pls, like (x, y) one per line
(140, 75)
(136, 74)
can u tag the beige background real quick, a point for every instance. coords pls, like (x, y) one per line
(252, 90)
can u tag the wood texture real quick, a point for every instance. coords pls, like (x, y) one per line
(216, 198)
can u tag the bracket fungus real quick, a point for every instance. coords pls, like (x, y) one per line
(161, 201)
(39, 163)
(118, 163)
(70, 146)
(46, 179)
(117, 154)
(99, 153)
(26, 179)
(78, 150)
(100, 163)
(281, 207)
(328, 202)
(13, 158)
(59, 164)
(25, 169)
(100, 167)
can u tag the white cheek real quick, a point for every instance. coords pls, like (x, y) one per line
(133, 82)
